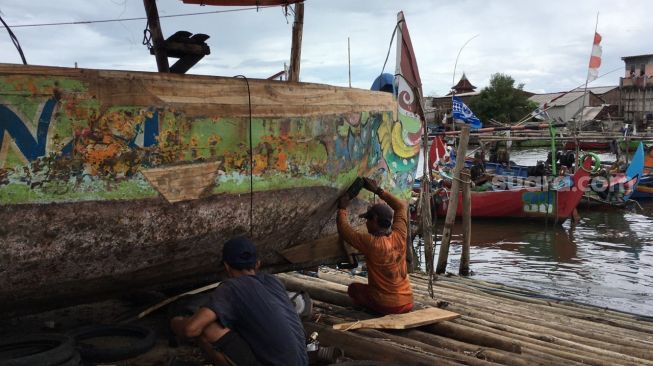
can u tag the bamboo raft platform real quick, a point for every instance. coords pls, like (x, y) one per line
(498, 326)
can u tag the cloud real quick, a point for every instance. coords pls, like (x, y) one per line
(544, 44)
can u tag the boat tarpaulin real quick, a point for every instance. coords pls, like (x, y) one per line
(242, 2)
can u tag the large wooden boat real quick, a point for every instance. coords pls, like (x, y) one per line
(117, 180)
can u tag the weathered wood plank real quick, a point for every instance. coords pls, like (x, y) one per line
(207, 95)
(401, 321)
(182, 182)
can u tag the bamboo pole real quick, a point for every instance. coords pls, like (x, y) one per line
(317, 292)
(467, 222)
(403, 341)
(590, 333)
(361, 347)
(453, 202)
(555, 338)
(526, 317)
(530, 357)
(550, 308)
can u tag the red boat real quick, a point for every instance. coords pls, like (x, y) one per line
(528, 202)
(588, 145)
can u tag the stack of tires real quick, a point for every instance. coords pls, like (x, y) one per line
(83, 346)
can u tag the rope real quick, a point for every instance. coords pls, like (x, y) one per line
(137, 18)
(251, 159)
(147, 36)
(389, 48)
(15, 41)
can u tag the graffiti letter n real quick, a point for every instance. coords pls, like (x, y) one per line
(29, 146)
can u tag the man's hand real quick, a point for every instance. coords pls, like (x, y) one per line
(343, 201)
(370, 185)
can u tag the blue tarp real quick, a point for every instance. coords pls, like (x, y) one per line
(384, 82)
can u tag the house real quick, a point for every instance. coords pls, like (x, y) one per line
(566, 105)
(637, 90)
(610, 94)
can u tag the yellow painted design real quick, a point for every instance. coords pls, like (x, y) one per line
(399, 146)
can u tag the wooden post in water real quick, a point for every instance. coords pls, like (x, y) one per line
(467, 222)
(158, 43)
(296, 48)
(453, 201)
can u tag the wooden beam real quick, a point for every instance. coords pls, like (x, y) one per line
(296, 50)
(157, 36)
(200, 96)
(182, 49)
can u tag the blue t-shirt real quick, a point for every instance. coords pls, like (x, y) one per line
(258, 308)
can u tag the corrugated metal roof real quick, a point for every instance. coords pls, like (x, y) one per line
(562, 98)
(599, 90)
(627, 57)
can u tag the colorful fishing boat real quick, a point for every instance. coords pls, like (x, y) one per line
(112, 181)
(645, 187)
(555, 200)
(617, 188)
(588, 145)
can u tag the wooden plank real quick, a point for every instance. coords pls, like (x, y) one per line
(182, 182)
(401, 321)
(326, 247)
(202, 95)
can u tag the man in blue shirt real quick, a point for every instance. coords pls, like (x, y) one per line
(249, 319)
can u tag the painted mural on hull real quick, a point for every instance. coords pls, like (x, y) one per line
(60, 143)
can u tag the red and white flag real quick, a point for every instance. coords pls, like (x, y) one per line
(595, 59)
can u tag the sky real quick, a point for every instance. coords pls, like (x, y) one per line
(545, 45)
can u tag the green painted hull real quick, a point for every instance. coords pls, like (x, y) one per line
(111, 181)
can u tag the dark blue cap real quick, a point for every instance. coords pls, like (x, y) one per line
(383, 213)
(239, 253)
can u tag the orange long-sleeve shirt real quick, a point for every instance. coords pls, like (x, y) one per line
(387, 272)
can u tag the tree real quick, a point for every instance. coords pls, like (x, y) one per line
(501, 101)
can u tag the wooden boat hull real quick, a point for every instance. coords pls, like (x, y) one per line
(112, 181)
(644, 189)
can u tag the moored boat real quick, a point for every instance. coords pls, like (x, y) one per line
(555, 201)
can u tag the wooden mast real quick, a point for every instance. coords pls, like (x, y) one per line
(160, 52)
(296, 50)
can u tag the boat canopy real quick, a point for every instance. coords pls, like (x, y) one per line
(242, 2)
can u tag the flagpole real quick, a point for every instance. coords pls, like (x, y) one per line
(582, 108)
(453, 82)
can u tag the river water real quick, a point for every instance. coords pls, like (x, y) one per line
(605, 260)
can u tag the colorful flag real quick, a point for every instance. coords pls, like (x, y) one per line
(437, 153)
(540, 114)
(595, 59)
(462, 112)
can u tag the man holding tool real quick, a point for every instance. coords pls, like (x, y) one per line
(384, 245)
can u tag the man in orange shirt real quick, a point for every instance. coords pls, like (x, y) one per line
(384, 246)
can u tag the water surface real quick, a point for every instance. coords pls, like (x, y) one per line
(606, 259)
